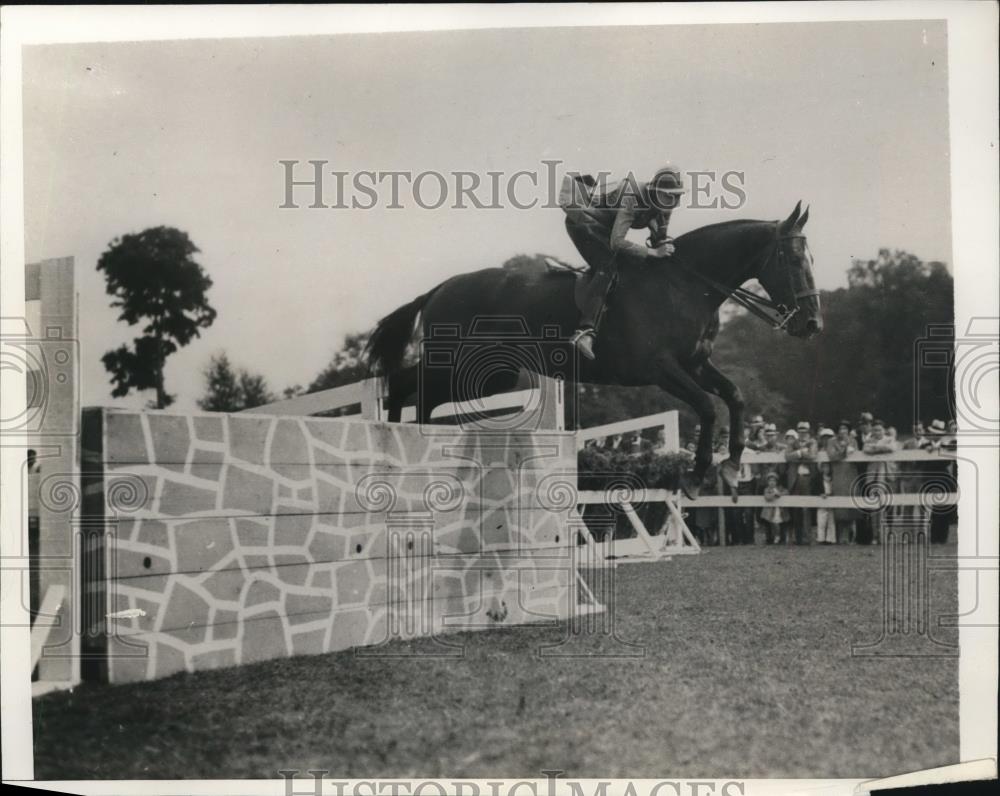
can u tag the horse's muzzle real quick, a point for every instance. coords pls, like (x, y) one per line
(805, 327)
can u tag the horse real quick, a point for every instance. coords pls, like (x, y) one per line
(481, 329)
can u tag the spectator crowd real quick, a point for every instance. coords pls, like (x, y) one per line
(800, 473)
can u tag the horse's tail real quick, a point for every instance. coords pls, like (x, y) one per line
(387, 344)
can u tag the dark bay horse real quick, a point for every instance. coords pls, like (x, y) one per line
(481, 329)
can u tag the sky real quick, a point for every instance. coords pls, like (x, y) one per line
(852, 118)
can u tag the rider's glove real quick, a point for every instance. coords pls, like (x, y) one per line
(665, 249)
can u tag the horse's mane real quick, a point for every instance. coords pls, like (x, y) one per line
(695, 234)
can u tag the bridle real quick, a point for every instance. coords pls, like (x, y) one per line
(775, 314)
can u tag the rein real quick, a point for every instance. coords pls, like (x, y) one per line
(774, 314)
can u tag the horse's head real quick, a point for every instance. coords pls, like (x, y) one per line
(787, 277)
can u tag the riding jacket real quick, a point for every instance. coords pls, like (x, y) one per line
(617, 207)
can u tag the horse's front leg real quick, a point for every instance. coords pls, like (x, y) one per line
(715, 382)
(679, 383)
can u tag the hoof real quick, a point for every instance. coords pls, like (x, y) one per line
(690, 488)
(730, 472)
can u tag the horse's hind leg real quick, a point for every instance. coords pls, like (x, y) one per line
(433, 387)
(402, 386)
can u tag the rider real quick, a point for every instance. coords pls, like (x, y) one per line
(598, 219)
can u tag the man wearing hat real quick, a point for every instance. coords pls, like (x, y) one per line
(942, 516)
(755, 433)
(771, 441)
(802, 477)
(936, 431)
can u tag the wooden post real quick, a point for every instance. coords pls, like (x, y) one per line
(53, 393)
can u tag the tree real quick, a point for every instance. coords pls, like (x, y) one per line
(254, 390)
(230, 391)
(347, 365)
(153, 277)
(865, 358)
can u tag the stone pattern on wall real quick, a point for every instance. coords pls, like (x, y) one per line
(237, 538)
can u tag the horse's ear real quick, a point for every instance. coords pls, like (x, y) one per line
(802, 219)
(789, 222)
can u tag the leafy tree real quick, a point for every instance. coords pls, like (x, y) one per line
(347, 365)
(254, 390)
(230, 391)
(864, 359)
(154, 278)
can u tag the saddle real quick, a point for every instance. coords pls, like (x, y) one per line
(557, 266)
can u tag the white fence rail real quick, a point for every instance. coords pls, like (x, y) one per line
(369, 394)
(665, 420)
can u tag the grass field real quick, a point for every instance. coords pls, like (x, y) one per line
(743, 668)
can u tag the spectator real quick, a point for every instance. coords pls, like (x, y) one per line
(633, 444)
(614, 442)
(771, 444)
(863, 429)
(756, 434)
(706, 520)
(943, 472)
(863, 524)
(919, 440)
(910, 480)
(722, 440)
(775, 518)
(743, 516)
(731, 526)
(842, 477)
(935, 434)
(883, 473)
(791, 438)
(801, 477)
(826, 526)
(693, 441)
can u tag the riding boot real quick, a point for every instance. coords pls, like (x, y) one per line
(591, 296)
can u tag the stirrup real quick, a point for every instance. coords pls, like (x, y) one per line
(583, 339)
